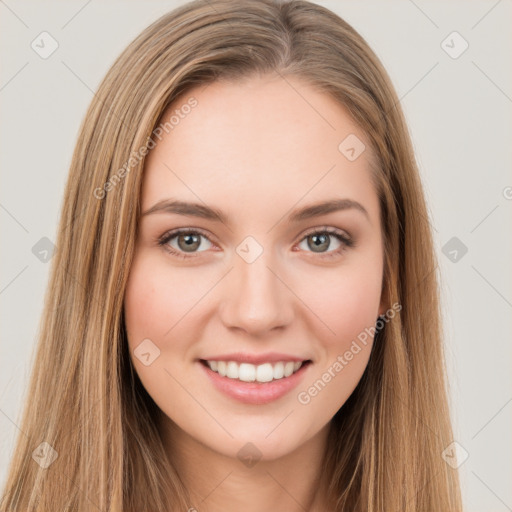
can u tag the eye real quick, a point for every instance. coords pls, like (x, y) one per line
(321, 239)
(186, 241)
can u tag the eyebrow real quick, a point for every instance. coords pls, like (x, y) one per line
(209, 213)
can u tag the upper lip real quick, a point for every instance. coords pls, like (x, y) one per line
(270, 357)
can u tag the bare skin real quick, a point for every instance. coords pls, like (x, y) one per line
(257, 151)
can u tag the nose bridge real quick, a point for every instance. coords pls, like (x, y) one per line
(256, 300)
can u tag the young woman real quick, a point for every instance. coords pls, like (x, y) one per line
(243, 307)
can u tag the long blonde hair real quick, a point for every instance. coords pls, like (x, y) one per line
(85, 400)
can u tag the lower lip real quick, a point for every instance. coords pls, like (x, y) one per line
(256, 393)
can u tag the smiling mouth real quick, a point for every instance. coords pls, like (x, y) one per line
(262, 373)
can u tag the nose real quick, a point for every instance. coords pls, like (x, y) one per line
(257, 298)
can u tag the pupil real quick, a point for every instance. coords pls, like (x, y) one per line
(318, 243)
(190, 240)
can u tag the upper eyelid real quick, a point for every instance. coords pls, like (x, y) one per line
(330, 229)
(179, 231)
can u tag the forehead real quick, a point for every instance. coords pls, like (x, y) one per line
(262, 141)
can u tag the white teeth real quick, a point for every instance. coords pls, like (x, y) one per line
(264, 372)
(246, 372)
(221, 368)
(278, 370)
(288, 369)
(232, 370)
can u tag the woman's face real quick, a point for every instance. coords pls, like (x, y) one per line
(255, 281)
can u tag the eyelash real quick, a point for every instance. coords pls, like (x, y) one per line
(345, 240)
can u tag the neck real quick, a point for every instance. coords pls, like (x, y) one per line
(216, 482)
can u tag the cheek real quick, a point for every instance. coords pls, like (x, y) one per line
(156, 303)
(347, 302)
(357, 303)
(155, 300)
(349, 307)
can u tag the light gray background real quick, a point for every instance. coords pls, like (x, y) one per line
(459, 113)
